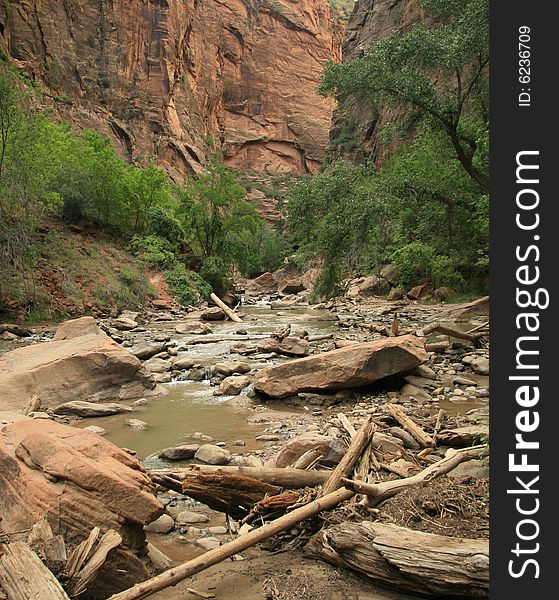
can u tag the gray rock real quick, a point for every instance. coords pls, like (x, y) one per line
(208, 543)
(124, 324)
(163, 377)
(480, 365)
(179, 452)
(136, 424)
(84, 409)
(183, 364)
(158, 365)
(146, 351)
(197, 435)
(197, 374)
(213, 455)
(163, 524)
(187, 517)
(95, 429)
(415, 392)
(193, 328)
(217, 530)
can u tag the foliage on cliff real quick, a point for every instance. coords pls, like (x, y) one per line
(49, 174)
(427, 204)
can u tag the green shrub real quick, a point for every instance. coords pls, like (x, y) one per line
(165, 225)
(216, 272)
(187, 287)
(153, 250)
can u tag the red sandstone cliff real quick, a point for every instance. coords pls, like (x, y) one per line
(169, 78)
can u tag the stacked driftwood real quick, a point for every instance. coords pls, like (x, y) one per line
(275, 500)
(41, 567)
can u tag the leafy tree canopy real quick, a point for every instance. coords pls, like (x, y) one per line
(438, 72)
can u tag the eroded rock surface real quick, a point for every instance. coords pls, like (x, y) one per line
(162, 78)
(80, 363)
(77, 480)
(354, 366)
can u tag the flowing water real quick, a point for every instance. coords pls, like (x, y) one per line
(190, 406)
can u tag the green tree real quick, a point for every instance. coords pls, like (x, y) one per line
(146, 189)
(438, 72)
(217, 220)
(340, 217)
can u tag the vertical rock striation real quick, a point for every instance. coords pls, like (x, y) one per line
(173, 78)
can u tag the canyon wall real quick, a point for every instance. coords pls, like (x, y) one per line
(370, 22)
(174, 79)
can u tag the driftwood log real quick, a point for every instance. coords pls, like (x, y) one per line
(409, 425)
(24, 576)
(291, 478)
(233, 316)
(407, 560)
(232, 494)
(471, 336)
(345, 466)
(212, 557)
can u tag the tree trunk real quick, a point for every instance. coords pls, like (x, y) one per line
(232, 494)
(23, 576)
(290, 478)
(226, 309)
(407, 560)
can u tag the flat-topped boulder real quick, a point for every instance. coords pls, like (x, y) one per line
(353, 366)
(80, 408)
(77, 480)
(80, 363)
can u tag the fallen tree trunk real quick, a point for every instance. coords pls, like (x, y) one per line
(407, 560)
(232, 494)
(344, 467)
(24, 576)
(446, 330)
(212, 557)
(225, 309)
(292, 478)
(378, 492)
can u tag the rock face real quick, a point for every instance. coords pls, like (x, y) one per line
(77, 480)
(87, 366)
(353, 366)
(370, 22)
(167, 79)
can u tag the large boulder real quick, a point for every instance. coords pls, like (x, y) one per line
(353, 366)
(80, 408)
(292, 286)
(81, 363)
(77, 480)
